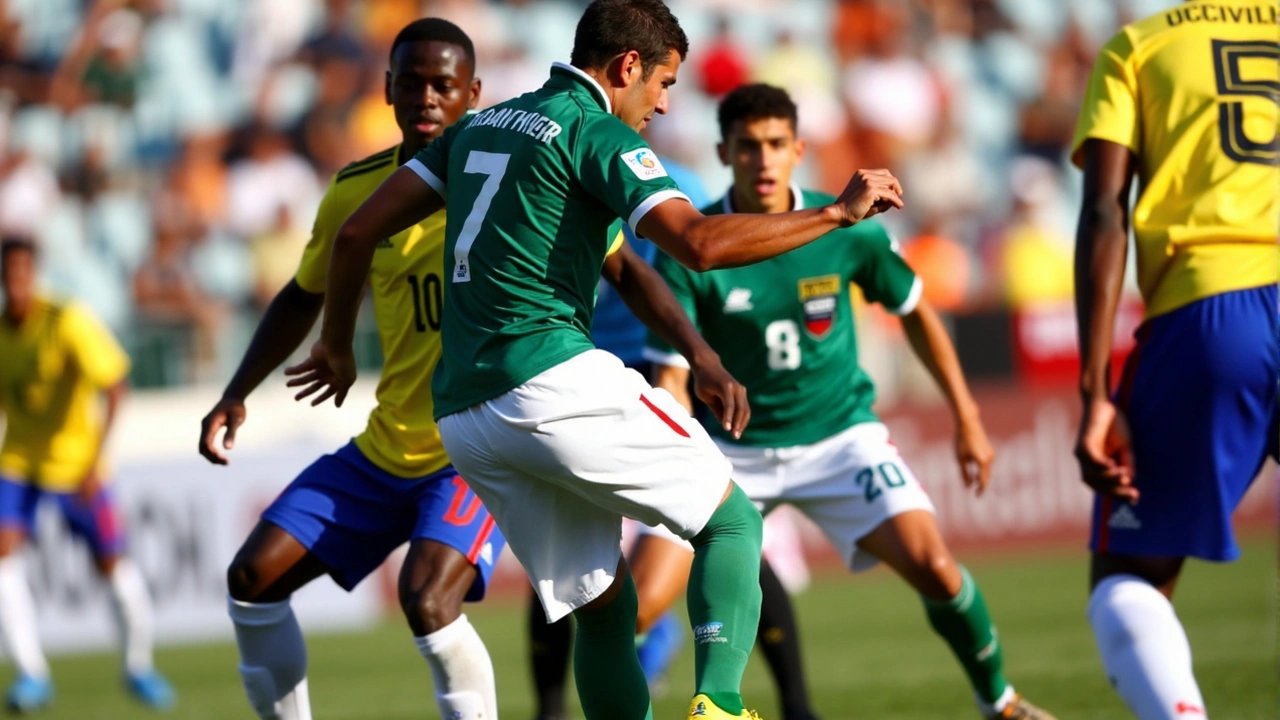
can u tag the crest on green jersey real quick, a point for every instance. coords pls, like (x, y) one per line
(819, 297)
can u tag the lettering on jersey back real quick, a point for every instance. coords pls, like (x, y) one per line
(535, 125)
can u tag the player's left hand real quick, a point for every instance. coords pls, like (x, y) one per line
(975, 454)
(725, 396)
(328, 370)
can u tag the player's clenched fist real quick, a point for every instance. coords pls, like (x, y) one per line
(328, 370)
(869, 193)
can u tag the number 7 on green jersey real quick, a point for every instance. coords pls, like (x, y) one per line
(493, 166)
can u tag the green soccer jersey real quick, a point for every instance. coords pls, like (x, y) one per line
(785, 328)
(533, 186)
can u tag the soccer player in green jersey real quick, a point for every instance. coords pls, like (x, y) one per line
(785, 329)
(558, 439)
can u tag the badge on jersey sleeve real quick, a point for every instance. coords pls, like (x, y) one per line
(819, 297)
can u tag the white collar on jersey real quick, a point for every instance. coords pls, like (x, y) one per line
(608, 107)
(797, 199)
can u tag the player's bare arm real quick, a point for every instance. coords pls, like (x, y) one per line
(648, 296)
(1102, 446)
(403, 200)
(702, 243)
(930, 342)
(288, 319)
(114, 397)
(674, 380)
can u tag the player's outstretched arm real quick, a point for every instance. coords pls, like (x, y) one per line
(1102, 240)
(647, 295)
(702, 243)
(404, 199)
(931, 343)
(290, 316)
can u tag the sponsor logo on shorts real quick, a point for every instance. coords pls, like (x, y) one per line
(708, 633)
(738, 300)
(1124, 519)
(644, 164)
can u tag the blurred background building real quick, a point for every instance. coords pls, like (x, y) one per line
(168, 155)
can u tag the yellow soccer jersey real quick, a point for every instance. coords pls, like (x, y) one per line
(1192, 93)
(401, 437)
(52, 371)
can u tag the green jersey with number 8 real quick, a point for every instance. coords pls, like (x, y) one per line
(533, 186)
(785, 328)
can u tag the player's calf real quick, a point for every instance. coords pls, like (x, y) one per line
(434, 581)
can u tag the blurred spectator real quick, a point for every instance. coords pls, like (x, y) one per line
(167, 296)
(943, 266)
(275, 256)
(894, 99)
(1036, 257)
(28, 194)
(269, 176)
(104, 66)
(722, 67)
(1047, 124)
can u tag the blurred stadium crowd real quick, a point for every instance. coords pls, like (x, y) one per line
(168, 155)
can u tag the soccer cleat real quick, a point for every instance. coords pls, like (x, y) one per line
(701, 708)
(1020, 709)
(152, 690)
(28, 694)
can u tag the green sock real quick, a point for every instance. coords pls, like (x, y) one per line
(611, 685)
(724, 599)
(964, 623)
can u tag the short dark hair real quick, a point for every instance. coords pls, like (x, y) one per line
(434, 29)
(11, 243)
(756, 102)
(610, 28)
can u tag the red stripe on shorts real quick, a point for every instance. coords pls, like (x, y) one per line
(665, 417)
(486, 529)
(1104, 517)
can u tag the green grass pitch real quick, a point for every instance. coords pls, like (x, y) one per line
(869, 653)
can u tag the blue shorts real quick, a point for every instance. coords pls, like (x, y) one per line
(1200, 394)
(94, 521)
(351, 514)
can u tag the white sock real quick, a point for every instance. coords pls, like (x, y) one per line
(18, 619)
(131, 602)
(462, 671)
(1144, 649)
(993, 710)
(273, 659)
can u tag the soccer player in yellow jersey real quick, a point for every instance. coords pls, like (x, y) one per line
(394, 483)
(62, 376)
(1185, 101)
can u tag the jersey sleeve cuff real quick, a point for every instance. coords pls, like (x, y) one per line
(427, 176)
(669, 359)
(913, 299)
(652, 202)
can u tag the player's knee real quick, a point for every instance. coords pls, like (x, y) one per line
(938, 575)
(430, 607)
(243, 579)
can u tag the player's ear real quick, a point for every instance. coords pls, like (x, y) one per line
(800, 145)
(474, 100)
(629, 69)
(386, 88)
(722, 149)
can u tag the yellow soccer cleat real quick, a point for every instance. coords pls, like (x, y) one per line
(701, 708)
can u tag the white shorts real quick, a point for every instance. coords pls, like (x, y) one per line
(561, 459)
(848, 485)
